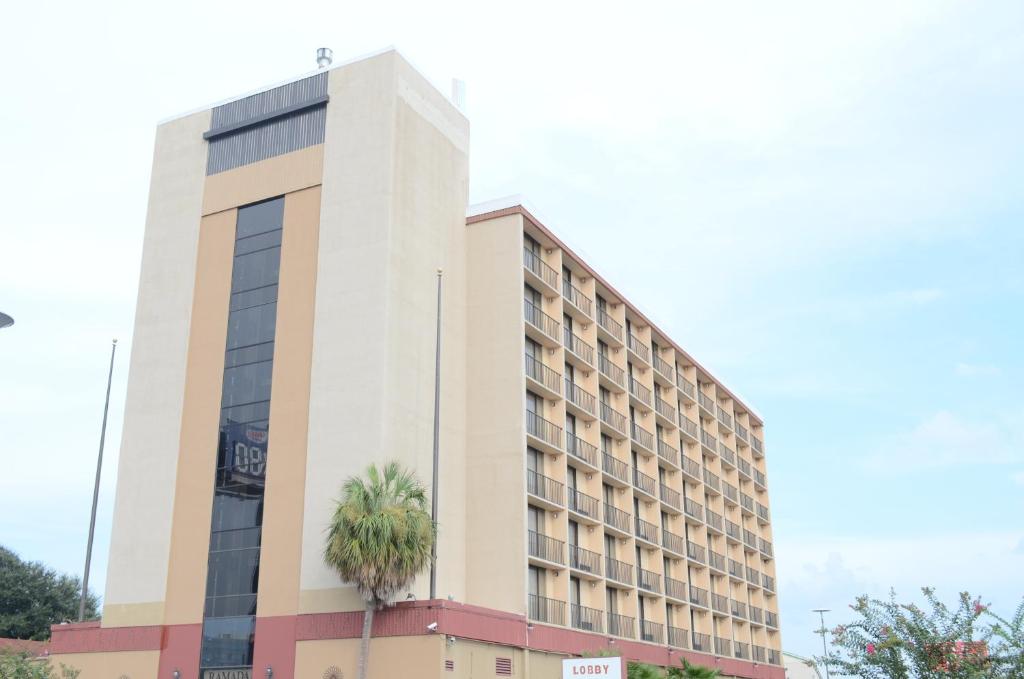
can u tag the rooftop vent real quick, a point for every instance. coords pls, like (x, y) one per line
(324, 57)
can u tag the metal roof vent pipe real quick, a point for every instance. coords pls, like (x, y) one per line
(324, 57)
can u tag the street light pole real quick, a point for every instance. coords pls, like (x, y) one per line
(96, 487)
(437, 440)
(824, 647)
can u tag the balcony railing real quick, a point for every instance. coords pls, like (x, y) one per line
(759, 478)
(749, 539)
(645, 483)
(615, 467)
(730, 492)
(586, 619)
(613, 418)
(639, 390)
(546, 431)
(675, 588)
(581, 503)
(766, 547)
(579, 448)
(533, 262)
(663, 366)
(543, 609)
(641, 436)
(768, 582)
(546, 547)
(741, 432)
(685, 385)
(738, 609)
(735, 569)
(709, 441)
(719, 603)
(645, 530)
(577, 298)
(727, 453)
(756, 615)
(667, 452)
(664, 408)
(678, 637)
(724, 416)
(540, 320)
(741, 650)
(610, 370)
(714, 519)
(694, 509)
(732, 529)
(744, 467)
(712, 481)
(706, 402)
(648, 580)
(577, 346)
(698, 596)
(702, 642)
(544, 487)
(621, 626)
(616, 518)
(773, 657)
(688, 426)
(539, 372)
(771, 619)
(638, 347)
(756, 444)
(746, 502)
(758, 653)
(620, 571)
(753, 576)
(673, 542)
(580, 397)
(610, 325)
(584, 560)
(690, 468)
(669, 496)
(722, 646)
(716, 560)
(651, 631)
(762, 512)
(695, 552)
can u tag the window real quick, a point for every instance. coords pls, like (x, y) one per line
(531, 244)
(609, 546)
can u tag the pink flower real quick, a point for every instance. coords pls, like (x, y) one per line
(871, 649)
(978, 608)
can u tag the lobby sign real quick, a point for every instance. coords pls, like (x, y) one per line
(588, 668)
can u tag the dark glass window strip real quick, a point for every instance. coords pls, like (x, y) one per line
(235, 531)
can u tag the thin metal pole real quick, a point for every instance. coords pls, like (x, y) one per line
(437, 439)
(821, 612)
(96, 487)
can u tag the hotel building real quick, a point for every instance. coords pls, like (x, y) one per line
(599, 488)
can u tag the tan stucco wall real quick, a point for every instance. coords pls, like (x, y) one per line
(390, 657)
(140, 539)
(130, 664)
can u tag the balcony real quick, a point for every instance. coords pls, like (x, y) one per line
(584, 505)
(706, 402)
(741, 432)
(639, 391)
(730, 492)
(760, 480)
(702, 642)
(724, 417)
(546, 548)
(762, 513)
(616, 518)
(549, 380)
(673, 542)
(547, 489)
(543, 609)
(746, 502)
(668, 453)
(639, 349)
(648, 581)
(621, 626)
(615, 468)
(744, 468)
(688, 388)
(709, 442)
(669, 496)
(768, 582)
(716, 561)
(771, 619)
(645, 483)
(578, 348)
(645, 530)
(695, 552)
(756, 615)
(773, 657)
(611, 326)
(579, 300)
(689, 427)
(712, 481)
(727, 454)
(693, 509)
(675, 589)
(735, 569)
(714, 520)
(614, 419)
(543, 430)
(584, 560)
(663, 368)
(651, 631)
(766, 548)
(620, 571)
(741, 650)
(722, 646)
(758, 653)
(581, 398)
(678, 637)
(698, 597)
(738, 609)
(691, 469)
(664, 409)
(615, 374)
(547, 327)
(750, 540)
(539, 268)
(586, 619)
(753, 576)
(732, 530)
(719, 604)
(641, 436)
(582, 450)
(756, 444)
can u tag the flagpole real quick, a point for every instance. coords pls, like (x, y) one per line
(437, 440)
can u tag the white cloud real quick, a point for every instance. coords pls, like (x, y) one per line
(975, 370)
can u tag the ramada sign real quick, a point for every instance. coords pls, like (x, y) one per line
(604, 668)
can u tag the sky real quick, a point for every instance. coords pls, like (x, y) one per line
(827, 203)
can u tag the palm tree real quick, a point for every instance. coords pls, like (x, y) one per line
(691, 671)
(379, 539)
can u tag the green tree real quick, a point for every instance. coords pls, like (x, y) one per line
(891, 640)
(33, 597)
(691, 671)
(18, 665)
(379, 539)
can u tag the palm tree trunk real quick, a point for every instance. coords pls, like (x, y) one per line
(364, 647)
